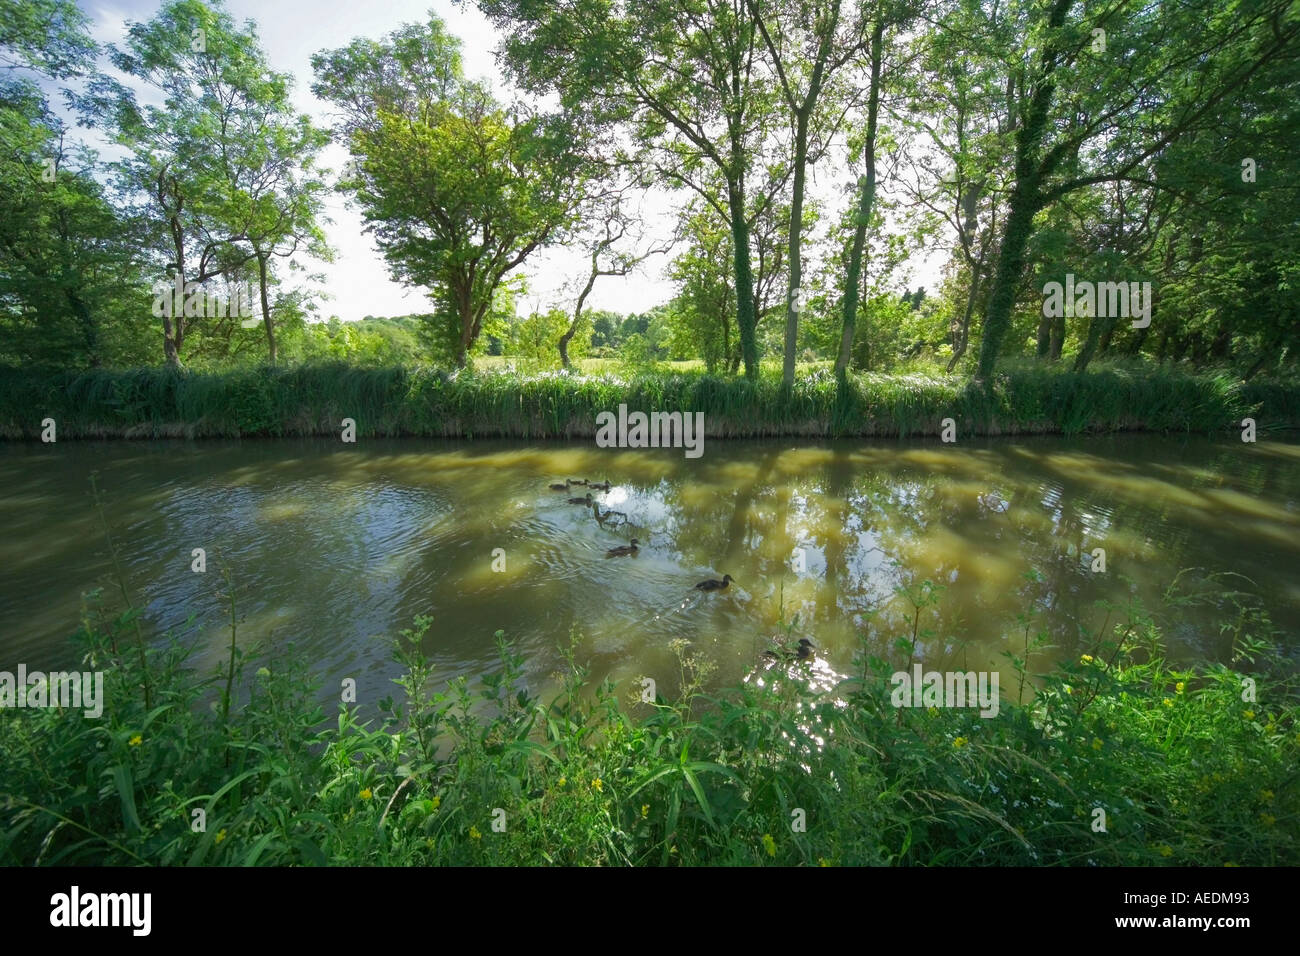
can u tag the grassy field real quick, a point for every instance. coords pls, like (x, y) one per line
(314, 399)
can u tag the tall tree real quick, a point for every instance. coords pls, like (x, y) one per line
(457, 190)
(808, 42)
(684, 73)
(1097, 107)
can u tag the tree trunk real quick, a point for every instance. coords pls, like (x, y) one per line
(796, 240)
(866, 200)
(746, 321)
(1025, 203)
(1098, 327)
(266, 307)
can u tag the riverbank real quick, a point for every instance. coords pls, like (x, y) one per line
(313, 400)
(1120, 759)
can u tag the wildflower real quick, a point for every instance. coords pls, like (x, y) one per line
(932, 711)
(563, 781)
(1248, 714)
(1069, 689)
(822, 861)
(366, 794)
(221, 835)
(959, 742)
(1179, 687)
(769, 844)
(437, 802)
(135, 741)
(474, 834)
(1096, 743)
(1270, 727)
(1167, 702)
(645, 810)
(1085, 659)
(1267, 819)
(1165, 850)
(598, 784)
(1266, 796)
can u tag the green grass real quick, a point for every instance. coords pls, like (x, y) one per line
(1185, 770)
(1025, 398)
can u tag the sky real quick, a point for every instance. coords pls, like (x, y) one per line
(358, 283)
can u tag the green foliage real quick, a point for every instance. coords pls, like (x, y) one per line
(395, 400)
(1185, 770)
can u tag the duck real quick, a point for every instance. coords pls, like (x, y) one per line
(578, 481)
(602, 518)
(713, 584)
(598, 485)
(580, 501)
(556, 486)
(802, 651)
(622, 549)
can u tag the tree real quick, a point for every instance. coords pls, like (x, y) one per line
(1089, 112)
(70, 282)
(683, 73)
(808, 42)
(457, 191)
(188, 156)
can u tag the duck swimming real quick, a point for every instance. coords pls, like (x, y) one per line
(580, 501)
(556, 486)
(714, 585)
(622, 549)
(599, 486)
(802, 652)
(578, 481)
(602, 518)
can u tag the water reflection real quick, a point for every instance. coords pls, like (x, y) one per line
(335, 548)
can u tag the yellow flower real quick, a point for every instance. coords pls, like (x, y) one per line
(1266, 796)
(437, 802)
(135, 741)
(1069, 689)
(221, 835)
(769, 844)
(932, 711)
(1267, 819)
(1180, 687)
(474, 834)
(1270, 727)
(1096, 743)
(563, 781)
(366, 794)
(1085, 659)
(959, 742)
(1167, 702)
(645, 810)
(1248, 714)
(1165, 850)
(598, 784)
(822, 861)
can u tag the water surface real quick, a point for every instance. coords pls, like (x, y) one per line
(335, 548)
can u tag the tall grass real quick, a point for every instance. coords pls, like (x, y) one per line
(314, 399)
(1185, 770)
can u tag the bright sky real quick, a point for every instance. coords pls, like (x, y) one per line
(357, 283)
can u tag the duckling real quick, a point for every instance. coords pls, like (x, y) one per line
(622, 549)
(598, 485)
(578, 481)
(714, 585)
(580, 501)
(802, 652)
(556, 486)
